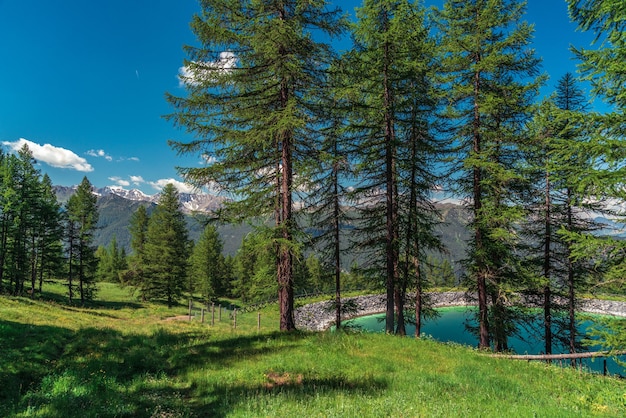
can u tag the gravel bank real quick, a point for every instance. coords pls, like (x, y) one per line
(320, 316)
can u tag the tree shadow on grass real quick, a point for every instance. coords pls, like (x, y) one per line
(296, 388)
(104, 372)
(29, 353)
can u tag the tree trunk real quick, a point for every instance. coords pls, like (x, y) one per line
(418, 298)
(284, 219)
(399, 293)
(571, 297)
(337, 249)
(390, 201)
(547, 294)
(483, 314)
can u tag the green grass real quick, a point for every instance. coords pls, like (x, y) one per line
(124, 358)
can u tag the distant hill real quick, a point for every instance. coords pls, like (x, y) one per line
(116, 206)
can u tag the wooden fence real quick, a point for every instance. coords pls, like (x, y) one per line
(571, 356)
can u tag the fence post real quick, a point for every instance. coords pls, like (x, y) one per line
(202, 315)
(213, 313)
(190, 308)
(258, 322)
(235, 318)
(220, 313)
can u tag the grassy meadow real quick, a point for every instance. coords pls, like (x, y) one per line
(123, 358)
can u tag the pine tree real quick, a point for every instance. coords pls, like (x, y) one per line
(329, 190)
(491, 75)
(166, 249)
(558, 208)
(112, 262)
(138, 228)
(605, 69)
(252, 86)
(254, 269)
(390, 97)
(206, 264)
(82, 218)
(420, 152)
(29, 224)
(50, 254)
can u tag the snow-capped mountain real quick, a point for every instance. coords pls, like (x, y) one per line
(133, 194)
(190, 202)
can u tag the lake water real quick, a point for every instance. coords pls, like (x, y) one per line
(450, 326)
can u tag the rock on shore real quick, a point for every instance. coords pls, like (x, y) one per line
(321, 315)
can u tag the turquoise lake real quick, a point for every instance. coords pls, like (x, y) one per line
(450, 326)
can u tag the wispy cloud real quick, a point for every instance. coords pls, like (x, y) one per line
(120, 181)
(137, 180)
(53, 156)
(207, 159)
(99, 153)
(179, 185)
(197, 72)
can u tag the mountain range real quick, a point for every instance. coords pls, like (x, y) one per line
(116, 206)
(190, 202)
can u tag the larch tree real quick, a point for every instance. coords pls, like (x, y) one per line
(575, 208)
(82, 218)
(251, 87)
(138, 228)
(492, 76)
(29, 224)
(558, 208)
(329, 185)
(49, 250)
(386, 70)
(166, 249)
(206, 264)
(420, 156)
(605, 68)
(112, 262)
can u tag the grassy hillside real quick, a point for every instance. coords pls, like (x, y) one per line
(123, 358)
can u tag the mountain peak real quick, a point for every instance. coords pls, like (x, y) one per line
(190, 202)
(133, 194)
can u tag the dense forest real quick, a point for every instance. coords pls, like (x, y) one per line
(310, 141)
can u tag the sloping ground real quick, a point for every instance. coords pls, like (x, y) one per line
(122, 359)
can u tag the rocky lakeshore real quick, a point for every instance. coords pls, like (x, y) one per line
(320, 316)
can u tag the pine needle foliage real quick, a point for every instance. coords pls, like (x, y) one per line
(492, 79)
(251, 88)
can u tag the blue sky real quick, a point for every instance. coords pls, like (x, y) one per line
(84, 82)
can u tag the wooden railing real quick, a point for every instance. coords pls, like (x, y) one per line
(570, 356)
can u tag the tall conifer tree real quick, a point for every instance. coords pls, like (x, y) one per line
(558, 208)
(491, 74)
(605, 68)
(166, 249)
(206, 264)
(387, 69)
(251, 87)
(82, 217)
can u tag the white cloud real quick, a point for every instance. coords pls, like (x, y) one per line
(99, 153)
(51, 155)
(207, 159)
(120, 181)
(179, 185)
(196, 72)
(137, 180)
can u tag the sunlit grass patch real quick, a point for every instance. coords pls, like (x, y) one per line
(129, 359)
